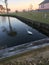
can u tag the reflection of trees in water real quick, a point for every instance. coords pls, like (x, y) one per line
(11, 31)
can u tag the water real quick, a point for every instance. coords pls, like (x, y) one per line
(14, 32)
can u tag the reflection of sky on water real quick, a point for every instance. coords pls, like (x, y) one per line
(21, 29)
(19, 39)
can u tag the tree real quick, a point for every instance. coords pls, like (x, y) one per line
(6, 4)
(16, 11)
(11, 32)
(24, 10)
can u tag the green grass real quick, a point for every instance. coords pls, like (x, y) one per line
(36, 16)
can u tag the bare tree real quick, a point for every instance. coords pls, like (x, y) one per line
(6, 4)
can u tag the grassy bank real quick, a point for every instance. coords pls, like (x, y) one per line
(36, 16)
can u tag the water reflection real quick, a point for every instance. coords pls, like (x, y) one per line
(3, 20)
(11, 32)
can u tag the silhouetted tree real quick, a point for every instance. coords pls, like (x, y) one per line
(6, 4)
(11, 32)
(16, 11)
(24, 10)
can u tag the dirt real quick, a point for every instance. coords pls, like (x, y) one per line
(40, 56)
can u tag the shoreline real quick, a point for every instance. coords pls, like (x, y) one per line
(27, 47)
(31, 54)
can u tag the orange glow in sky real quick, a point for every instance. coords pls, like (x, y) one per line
(22, 4)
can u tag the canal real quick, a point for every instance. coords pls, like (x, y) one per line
(13, 34)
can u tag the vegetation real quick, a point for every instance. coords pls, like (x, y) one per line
(40, 61)
(36, 16)
(38, 57)
(6, 4)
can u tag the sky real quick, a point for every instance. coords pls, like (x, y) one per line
(21, 4)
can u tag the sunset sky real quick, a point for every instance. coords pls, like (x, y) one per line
(21, 4)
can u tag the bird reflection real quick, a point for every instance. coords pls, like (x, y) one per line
(11, 32)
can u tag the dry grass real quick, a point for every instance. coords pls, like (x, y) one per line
(38, 56)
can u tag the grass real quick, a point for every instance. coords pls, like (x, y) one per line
(22, 57)
(36, 16)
